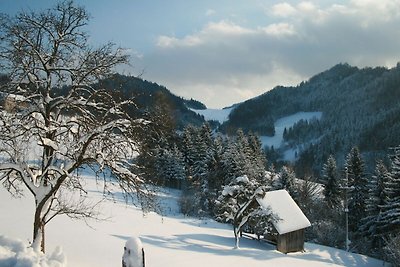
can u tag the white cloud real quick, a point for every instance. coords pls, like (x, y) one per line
(225, 28)
(373, 5)
(170, 42)
(279, 29)
(227, 62)
(283, 10)
(308, 7)
(234, 88)
(371, 12)
(213, 31)
(166, 41)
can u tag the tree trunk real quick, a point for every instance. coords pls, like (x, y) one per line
(237, 236)
(38, 232)
(144, 261)
(42, 239)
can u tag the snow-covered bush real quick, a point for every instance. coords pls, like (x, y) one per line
(15, 253)
(328, 233)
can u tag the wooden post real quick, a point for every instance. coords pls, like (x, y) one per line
(144, 261)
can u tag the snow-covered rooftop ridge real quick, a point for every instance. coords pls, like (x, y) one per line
(290, 217)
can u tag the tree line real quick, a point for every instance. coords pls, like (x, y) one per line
(221, 174)
(371, 201)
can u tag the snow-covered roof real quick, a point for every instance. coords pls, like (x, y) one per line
(289, 215)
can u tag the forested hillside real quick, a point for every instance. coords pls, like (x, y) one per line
(154, 98)
(361, 107)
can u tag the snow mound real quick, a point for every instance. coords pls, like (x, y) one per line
(133, 253)
(14, 253)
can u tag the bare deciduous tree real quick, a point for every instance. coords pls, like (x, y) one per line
(58, 121)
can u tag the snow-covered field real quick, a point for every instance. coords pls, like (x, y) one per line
(169, 240)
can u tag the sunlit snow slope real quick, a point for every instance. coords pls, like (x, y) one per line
(169, 240)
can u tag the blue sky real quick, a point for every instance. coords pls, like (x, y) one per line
(226, 51)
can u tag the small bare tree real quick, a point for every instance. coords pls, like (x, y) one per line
(60, 121)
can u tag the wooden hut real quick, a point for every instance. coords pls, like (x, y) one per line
(290, 223)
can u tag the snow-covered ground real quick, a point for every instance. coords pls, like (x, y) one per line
(286, 122)
(220, 115)
(169, 240)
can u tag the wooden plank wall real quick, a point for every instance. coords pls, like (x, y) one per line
(291, 242)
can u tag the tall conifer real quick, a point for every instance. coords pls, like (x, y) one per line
(358, 188)
(332, 192)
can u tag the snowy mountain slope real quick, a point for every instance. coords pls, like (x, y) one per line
(220, 115)
(286, 122)
(360, 108)
(276, 141)
(172, 240)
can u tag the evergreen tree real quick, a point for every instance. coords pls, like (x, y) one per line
(390, 219)
(170, 167)
(257, 156)
(159, 136)
(374, 203)
(331, 190)
(192, 147)
(201, 167)
(215, 168)
(358, 188)
(243, 154)
(188, 148)
(287, 181)
(233, 161)
(198, 154)
(212, 162)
